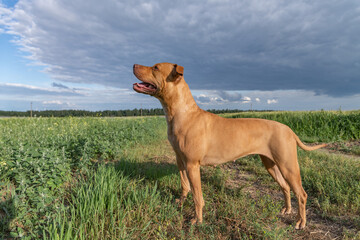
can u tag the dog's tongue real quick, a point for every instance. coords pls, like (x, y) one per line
(145, 85)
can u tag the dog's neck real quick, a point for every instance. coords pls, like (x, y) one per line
(180, 103)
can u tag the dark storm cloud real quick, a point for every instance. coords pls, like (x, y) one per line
(26, 90)
(232, 97)
(202, 99)
(59, 85)
(223, 45)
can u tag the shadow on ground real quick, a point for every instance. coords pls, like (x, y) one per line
(149, 169)
(7, 213)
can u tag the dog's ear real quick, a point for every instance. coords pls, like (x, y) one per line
(178, 72)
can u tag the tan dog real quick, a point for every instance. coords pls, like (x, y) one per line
(202, 138)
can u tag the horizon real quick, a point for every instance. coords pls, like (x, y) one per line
(225, 110)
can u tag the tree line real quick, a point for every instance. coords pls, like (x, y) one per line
(105, 113)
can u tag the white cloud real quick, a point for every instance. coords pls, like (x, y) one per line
(272, 101)
(221, 97)
(257, 100)
(246, 99)
(58, 102)
(4, 16)
(20, 85)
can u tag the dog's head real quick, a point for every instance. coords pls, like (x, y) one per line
(156, 80)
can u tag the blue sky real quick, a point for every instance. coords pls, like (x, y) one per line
(268, 54)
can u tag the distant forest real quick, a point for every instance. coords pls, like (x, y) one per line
(106, 113)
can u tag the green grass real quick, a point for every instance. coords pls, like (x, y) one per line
(41, 157)
(111, 205)
(96, 178)
(321, 126)
(332, 181)
(355, 150)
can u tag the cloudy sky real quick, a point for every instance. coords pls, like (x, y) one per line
(264, 54)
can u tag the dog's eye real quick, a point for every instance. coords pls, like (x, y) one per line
(156, 68)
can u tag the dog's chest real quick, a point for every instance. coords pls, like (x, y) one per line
(176, 137)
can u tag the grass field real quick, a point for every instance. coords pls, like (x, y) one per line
(116, 178)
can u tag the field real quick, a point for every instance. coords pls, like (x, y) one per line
(116, 178)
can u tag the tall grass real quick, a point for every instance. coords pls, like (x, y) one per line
(111, 205)
(321, 126)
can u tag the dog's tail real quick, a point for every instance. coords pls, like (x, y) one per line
(307, 148)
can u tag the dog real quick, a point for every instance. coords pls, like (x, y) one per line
(200, 138)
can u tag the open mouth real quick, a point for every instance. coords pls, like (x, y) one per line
(144, 87)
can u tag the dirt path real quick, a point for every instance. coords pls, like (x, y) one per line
(341, 154)
(350, 149)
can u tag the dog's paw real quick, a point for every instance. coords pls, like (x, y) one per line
(180, 201)
(286, 211)
(195, 221)
(300, 224)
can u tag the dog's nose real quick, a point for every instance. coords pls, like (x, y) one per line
(135, 66)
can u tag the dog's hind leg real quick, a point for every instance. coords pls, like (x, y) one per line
(278, 177)
(290, 170)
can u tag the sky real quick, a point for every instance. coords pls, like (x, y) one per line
(236, 54)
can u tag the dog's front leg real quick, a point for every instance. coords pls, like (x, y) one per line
(185, 185)
(193, 172)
